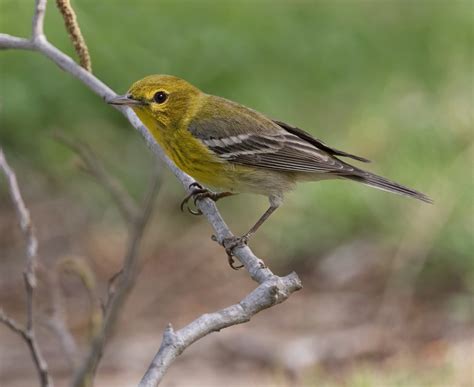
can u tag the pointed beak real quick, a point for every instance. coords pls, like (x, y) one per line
(124, 100)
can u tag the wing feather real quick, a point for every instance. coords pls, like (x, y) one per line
(318, 143)
(240, 135)
(252, 139)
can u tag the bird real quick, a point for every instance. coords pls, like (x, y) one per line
(231, 148)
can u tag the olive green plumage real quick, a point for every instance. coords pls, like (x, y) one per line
(230, 147)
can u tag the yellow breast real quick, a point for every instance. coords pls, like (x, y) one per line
(189, 154)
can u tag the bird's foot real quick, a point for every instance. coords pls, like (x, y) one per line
(230, 244)
(198, 192)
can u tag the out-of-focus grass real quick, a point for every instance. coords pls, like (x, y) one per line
(369, 377)
(448, 370)
(389, 80)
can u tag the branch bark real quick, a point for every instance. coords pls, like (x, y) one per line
(271, 292)
(136, 218)
(86, 371)
(38, 19)
(272, 289)
(29, 275)
(94, 167)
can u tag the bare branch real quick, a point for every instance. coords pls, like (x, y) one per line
(25, 221)
(125, 281)
(58, 326)
(29, 275)
(79, 267)
(126, 277)
(72, 27)
(29, 337)
(38, 20)
(254, 265)
(273, 291)
(12, 324)
(13, 42)
(123, 200)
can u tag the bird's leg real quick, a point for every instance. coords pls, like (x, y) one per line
(198, 193)
(231, 243)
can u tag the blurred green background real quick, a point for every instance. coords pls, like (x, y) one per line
(388, 80)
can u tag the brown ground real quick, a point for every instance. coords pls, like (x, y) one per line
(332, 333)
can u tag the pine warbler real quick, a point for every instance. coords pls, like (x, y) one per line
(230, 147)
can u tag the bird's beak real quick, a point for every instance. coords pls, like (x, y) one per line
(124, 100)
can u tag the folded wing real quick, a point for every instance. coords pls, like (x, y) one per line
(242, 136)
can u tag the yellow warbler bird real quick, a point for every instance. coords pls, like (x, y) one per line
(227, 146)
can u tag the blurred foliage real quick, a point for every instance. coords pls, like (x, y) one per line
(391, 81)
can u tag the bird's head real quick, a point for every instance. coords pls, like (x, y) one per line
(164, 98)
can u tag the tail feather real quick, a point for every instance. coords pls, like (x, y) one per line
(384, 184)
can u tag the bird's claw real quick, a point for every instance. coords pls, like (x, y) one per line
(230, 244)
(198, 192)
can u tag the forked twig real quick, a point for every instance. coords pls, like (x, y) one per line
(94, 167)
(29, 275)
(125, 282)
(258, 272)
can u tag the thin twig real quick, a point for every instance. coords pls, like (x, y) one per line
(38, 20)
(13, 42)
(80, 268)
(29, 275)
(138, 220)
(72, 27)
(86, 371)
(12, 324)
(25, 221)
(57, 323)
(258, 272)
(268, 294)
(93, 166)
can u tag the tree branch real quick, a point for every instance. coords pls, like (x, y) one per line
(86, 371)
(29, 275)
(25, 221)
(123, 200)
(13, 42)
(207, 206)
(272, 289)
(12, 324)
(38, 20)
(271, 292)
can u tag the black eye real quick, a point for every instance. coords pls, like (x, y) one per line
(160, 97)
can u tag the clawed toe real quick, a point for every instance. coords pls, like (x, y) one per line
(230, 244)
(199, 193)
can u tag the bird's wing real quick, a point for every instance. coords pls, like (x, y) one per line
(318, 143)
(242, 136)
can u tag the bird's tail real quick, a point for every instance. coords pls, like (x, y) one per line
(384, 184)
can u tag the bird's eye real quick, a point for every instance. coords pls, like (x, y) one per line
(160, 97)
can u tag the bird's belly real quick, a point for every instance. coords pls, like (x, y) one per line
(237, 178)
(195, 159)
(213, 175)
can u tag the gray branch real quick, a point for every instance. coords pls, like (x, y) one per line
(126, 279)
(94, 167)
(272, 289)
(271, 292)
(38, 19)
(29, 275)
(25, 221)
